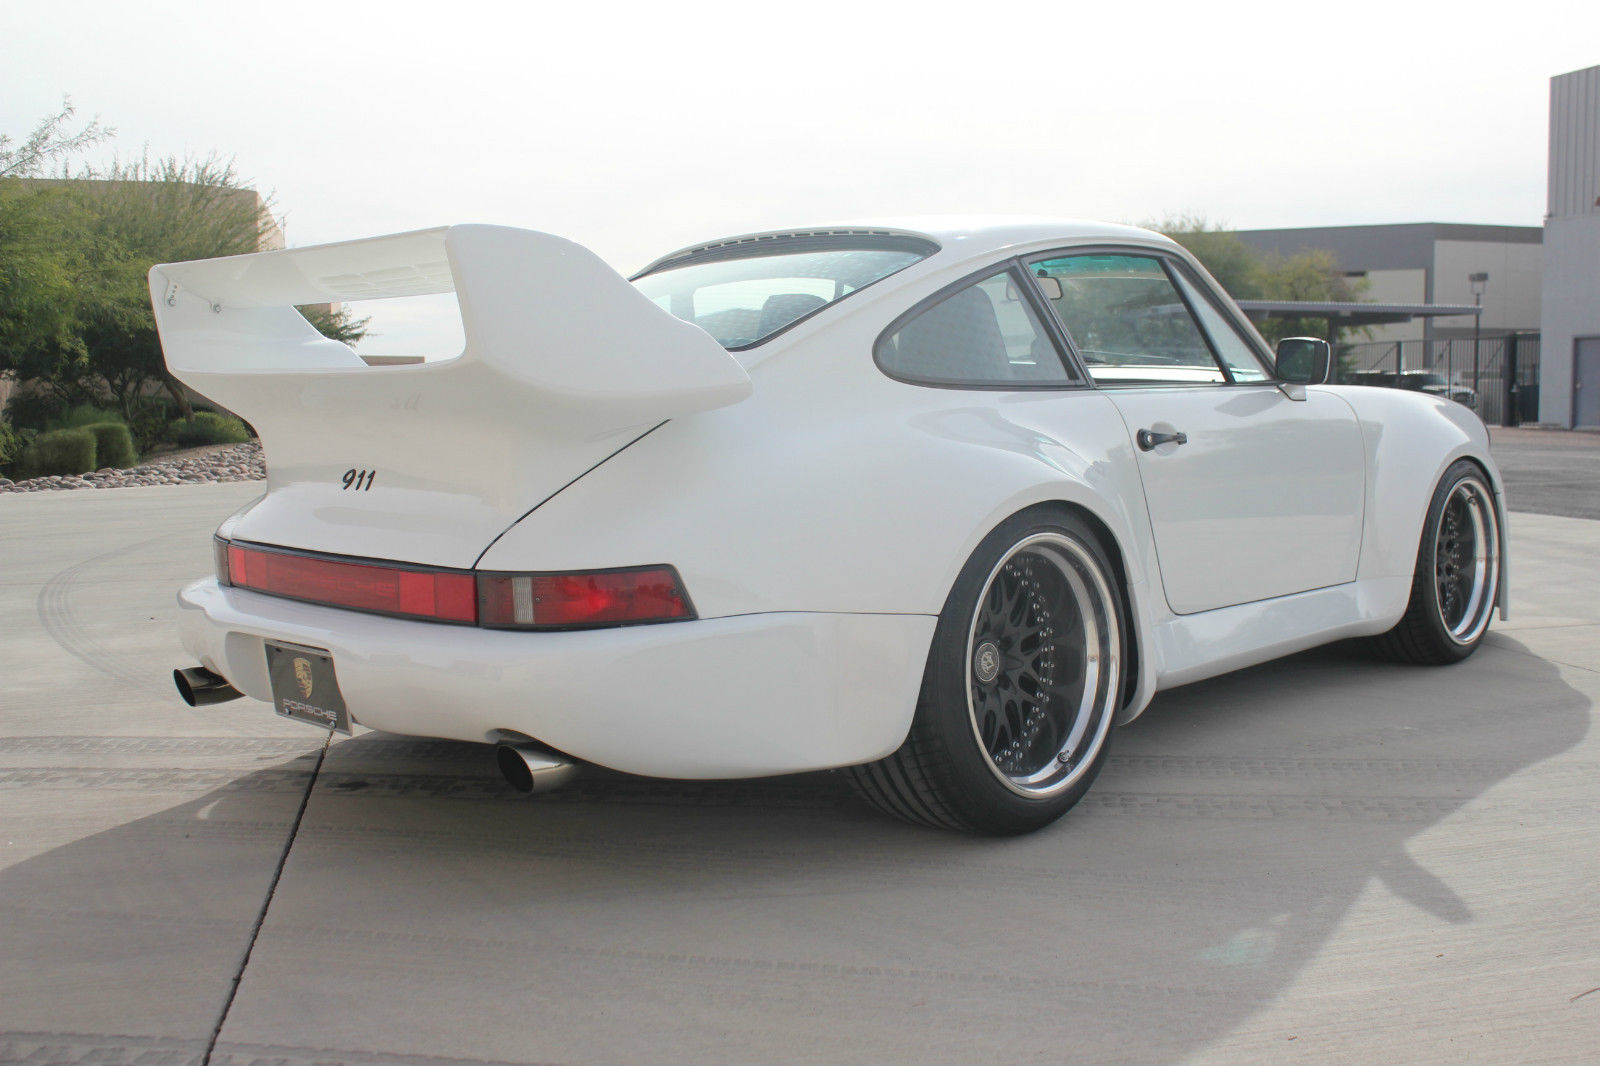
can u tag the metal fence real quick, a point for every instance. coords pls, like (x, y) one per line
(1497, 376)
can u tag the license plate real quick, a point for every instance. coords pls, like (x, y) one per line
(304, 687)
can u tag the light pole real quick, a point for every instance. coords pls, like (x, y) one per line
(1480, 282)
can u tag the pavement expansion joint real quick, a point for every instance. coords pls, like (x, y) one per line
(266, 903)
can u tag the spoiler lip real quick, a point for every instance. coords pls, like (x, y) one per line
(538, 311)
(413, 263)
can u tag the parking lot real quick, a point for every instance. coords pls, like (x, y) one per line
(1550, 471)
(1324, 859)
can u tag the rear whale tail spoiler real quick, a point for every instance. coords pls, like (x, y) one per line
(542, 316)
(564, 364)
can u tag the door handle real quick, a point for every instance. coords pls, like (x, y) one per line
(1149, 439)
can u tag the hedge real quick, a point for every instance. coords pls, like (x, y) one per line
(61, 451)
(113, 445)
(208, 427)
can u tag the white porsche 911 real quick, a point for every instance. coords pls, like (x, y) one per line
(939, 502)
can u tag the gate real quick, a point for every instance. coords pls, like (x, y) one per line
(1496, 376)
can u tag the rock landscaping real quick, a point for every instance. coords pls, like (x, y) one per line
(236, 462)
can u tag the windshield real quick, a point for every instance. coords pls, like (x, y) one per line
(742, 300)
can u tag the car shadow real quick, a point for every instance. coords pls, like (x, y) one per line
(426, 910)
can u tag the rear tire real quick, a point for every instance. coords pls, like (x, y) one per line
(1456, 582)
(1023, 679)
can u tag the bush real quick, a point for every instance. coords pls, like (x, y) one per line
(113, 445)
(61, 451)
(29, 408)
(208, 427)
(83, 416)
(150, 429)
(13, 442)
(151, 423)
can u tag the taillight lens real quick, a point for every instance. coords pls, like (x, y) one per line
(219, 555)
(439, 595)
(496, 600)
(593, 598)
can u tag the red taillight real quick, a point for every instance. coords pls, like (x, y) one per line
(599, 598)
(503, 601)
(440, 595)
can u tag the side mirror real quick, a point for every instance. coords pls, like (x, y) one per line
(1304, 360)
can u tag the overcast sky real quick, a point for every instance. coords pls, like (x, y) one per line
(637, 129)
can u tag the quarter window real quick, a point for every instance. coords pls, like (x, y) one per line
(984, 335)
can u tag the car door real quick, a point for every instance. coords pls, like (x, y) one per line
(1251, 494)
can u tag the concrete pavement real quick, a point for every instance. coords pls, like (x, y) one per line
(1325, 859)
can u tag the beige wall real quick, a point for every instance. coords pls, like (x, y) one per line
(1396, 287)
(1511, 299)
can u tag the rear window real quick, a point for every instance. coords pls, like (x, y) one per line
(743, 296)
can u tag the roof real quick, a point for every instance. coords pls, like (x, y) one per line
(967, 236)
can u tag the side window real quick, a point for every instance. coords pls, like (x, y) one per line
(983, 335)
(1127, 321)
(1231, 348)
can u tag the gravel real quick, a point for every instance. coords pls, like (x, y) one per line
(236, 462)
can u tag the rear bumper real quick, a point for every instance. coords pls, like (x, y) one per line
(723, 697)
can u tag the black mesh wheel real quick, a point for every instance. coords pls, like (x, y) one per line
(1022, 683)
(1456, 583)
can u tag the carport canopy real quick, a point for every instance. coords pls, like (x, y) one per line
(1341, 314)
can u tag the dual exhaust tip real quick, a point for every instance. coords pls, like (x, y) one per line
(528, 768)
(199, 686)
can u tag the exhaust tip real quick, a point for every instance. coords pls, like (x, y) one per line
(531, 769)
(199, 686)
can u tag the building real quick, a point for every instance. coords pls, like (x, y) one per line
(1429, 263)
(1569, 387)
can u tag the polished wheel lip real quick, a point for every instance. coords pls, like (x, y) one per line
(1482, 574)
(1091, 720)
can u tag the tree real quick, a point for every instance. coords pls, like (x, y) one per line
(165, 211)
(144, 213)
(76, 248)
(49, 142)
(43, 257)
(339, 324)
(1234, 264)
(1311, 275)
(42, 261)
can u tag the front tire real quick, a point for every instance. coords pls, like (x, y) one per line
(1456, 583)
(1022, 683)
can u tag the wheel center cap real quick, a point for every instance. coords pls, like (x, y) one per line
(986, 662)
